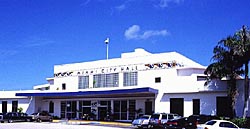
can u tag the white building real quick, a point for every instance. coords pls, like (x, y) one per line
(164, 82)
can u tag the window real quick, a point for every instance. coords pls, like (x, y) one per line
(106, 80)
(4, 106)
(51, 107)
(158, 80)
(14, 106)
(210, 122)
(68, 109)
(121, 111)
(170, 116)
(130, 78)
(64, 86)
(83, 82)
(201, 78)
(164, 116)
(227, 125)
(131, 109)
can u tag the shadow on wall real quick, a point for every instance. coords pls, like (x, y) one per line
(31, 107)
(207, 108)
(216, 85)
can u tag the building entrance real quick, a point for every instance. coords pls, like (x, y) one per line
(177, 106)
(102, 113)
(68, 109)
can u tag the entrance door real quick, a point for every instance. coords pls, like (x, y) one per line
(196, 106)
(148, 107)
(177, 106)
(102, 113)
(223, 105)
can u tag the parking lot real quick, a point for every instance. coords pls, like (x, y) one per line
(48, 125)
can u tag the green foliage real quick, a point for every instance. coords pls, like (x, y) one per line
(56, 117)
(229, 57)
(20, 109)
(241, 122)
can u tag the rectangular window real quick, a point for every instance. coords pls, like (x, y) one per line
(131, 109)
(83, 82)
(51, 107)
(158, 80)
(130, 78)
(106, 80)
(201, 78)
(4, 106)
(68, 109)
(14, 106)
(64, 86)
(86, 103)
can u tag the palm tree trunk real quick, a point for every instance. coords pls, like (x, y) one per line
(246, 83)
(246, 86)
(232, 95)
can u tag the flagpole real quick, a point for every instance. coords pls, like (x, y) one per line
(107, 51)
(107, 45)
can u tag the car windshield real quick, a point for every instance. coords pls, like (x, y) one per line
(170, 116)
(155, 116)
(210, 122)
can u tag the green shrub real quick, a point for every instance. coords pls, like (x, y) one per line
(241, 122)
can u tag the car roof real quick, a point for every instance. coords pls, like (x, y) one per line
(146, 115)
(221, 121)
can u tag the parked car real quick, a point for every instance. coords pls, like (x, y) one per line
(194, 120)
(141, 122)
(42, 116)
(158, 120)
(15, 116)
(218, 124)
(1, 117)
(179, 123)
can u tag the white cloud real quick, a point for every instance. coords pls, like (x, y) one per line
(35, 41)
(120, 7)
(165, 3)
(134, 32)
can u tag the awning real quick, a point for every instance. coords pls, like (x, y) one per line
(123, 92)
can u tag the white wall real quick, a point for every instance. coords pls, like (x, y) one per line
(207, 102)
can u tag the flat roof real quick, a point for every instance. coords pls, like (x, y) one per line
(90, 93)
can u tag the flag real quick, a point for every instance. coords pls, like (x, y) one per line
(107, 41)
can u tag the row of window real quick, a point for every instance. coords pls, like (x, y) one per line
(99, 110)
(109, 80)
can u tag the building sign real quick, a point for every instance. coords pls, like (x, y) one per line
(119, 69)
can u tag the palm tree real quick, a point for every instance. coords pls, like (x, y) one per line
(245, 39)
(226, 64)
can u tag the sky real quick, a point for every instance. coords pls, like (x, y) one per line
(35, 35)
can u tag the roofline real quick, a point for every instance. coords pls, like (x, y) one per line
(86, 93)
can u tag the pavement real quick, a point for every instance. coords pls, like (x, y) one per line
(89, 122)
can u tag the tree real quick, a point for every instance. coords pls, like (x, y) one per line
(226, 64)
(230, 55)
(245, 52)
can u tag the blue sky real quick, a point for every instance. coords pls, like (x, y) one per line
(35, 35)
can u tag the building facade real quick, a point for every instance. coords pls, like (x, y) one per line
(123, 88)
